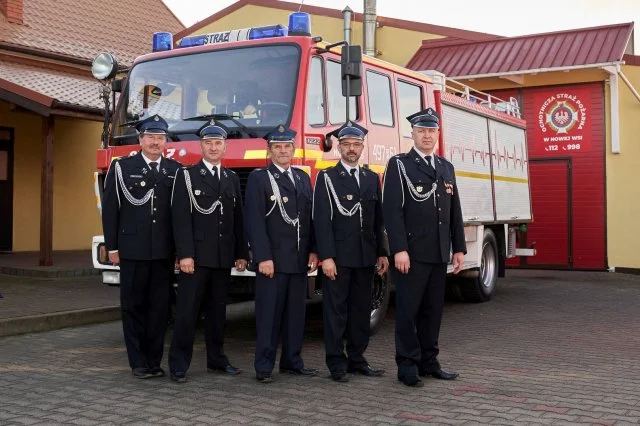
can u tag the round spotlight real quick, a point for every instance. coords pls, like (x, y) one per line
(104, 66)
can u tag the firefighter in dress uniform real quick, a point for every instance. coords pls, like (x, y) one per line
(280, 234)
(208, 227)
(347, 216)
(136, 218)
(424, 225)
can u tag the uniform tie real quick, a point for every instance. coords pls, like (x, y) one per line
(353, 175)
(288, 175)
(216, 178)
(154, 168)
(428, 159)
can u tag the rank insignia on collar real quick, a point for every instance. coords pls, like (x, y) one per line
(297, 177)
(272, 198)
(276, 175)
(419, 188)
(349, 197)
(143, 183)
(417, 159)
(285, 199)
(224, 173)
(203, 172)
(164, 171)
(342, 174)
(145, 170)
(197, 192)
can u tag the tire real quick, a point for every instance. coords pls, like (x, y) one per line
(379, 301)
(481, 288)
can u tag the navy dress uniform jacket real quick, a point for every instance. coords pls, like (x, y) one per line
(270, 237)
(342, 237)
(213, 240)
(426, 231)
(139, 232)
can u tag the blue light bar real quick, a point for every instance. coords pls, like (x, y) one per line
(267, 32)
(300, 24)
(162, 41)
(197, 40)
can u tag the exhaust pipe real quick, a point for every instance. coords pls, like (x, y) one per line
(347, 13)
(369, 27)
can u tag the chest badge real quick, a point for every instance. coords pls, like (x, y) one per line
(143, 183)
(197, 192)
(272, 198)
(419, 188)
(349, 197)
(448, 188)
(285, 199)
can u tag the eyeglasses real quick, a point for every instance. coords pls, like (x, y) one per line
(351, 145)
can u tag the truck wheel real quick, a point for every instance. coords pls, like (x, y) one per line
(379, 301)
(481, 288)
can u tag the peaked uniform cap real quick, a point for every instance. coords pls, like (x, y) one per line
(425, 118)
(281, 134)
(153, 125)
(349, 130)
(212, 131)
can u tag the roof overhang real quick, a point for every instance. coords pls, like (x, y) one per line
(518, 75)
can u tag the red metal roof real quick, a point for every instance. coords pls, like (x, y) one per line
(461, 58)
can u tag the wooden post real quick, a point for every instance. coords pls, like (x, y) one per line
(46, 193)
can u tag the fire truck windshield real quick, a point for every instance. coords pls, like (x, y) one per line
(248, 90)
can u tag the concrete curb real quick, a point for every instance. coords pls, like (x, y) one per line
(57, 320)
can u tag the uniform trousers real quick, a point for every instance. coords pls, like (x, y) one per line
(346, 310)
(419, 304)
(207, 288)
(280, 313)
(145, 287)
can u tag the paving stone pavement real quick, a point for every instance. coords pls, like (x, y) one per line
(550, 348)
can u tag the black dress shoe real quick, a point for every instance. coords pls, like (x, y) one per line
(366, 370)
(179, 377)
(438, 373)
(229, 369)
(157, 372)
(300, 371)
(141, 373)
(264, 377)
(412, 381)
(339, 376)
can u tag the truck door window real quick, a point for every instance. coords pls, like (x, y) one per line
(409, 102)
(337, 102)
(315, 93)
(379, 95)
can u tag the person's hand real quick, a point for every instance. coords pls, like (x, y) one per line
(329, 268)
(266, 268)
(382, 265)
(114, 257)
(241, 265)
(458, 261)
(313, 262)
(402, 263)
(187, 265)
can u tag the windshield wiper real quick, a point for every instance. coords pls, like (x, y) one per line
(218, 117)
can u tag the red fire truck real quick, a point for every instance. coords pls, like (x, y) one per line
(251, 80)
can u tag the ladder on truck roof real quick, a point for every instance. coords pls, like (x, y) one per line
(443, 83)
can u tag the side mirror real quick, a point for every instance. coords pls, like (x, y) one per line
(327, 144)
(351, 60)
(116, 85)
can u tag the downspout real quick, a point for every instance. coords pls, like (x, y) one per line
(614, 107)
(346, 14)
(369, 27)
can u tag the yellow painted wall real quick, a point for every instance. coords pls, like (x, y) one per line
(623, 203)
(542, 79)
(75, 216)
(395, 45)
